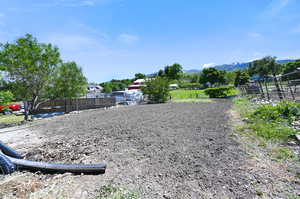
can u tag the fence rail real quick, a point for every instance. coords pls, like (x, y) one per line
(284, 87)
(69, 105)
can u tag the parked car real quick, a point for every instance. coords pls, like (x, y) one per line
(7, 109)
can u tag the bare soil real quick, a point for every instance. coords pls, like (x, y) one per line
(175, 150)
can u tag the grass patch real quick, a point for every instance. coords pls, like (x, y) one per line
(270, 122)
(112, 192)
(187, 94)
(11, 119)
(283, 153)
(195, 100)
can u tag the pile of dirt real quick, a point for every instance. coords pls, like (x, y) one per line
(175, 150)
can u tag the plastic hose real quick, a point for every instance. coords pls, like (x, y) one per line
(9, 151)
(6, 166)
(58, 168)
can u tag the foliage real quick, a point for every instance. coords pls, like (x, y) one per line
(30, 65)
(173, 72)
(5, 97)
(284, 111)
(189, 85)
(271, 130)
(271, 122)
(161, 73)
(187, 94)
(190, 77)
(291, 67)
(139, 76)
(267, 66)
(241, 78)
(157, 90)
(230, 77)
(116, 85)
(68, 81)
(221, 92)
(212, 76)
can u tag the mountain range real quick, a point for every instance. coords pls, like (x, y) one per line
(235, 66)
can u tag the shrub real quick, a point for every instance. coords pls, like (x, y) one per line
(284, 111)
(271, 130)
(221, 92)
(5, 97)
(157, 90)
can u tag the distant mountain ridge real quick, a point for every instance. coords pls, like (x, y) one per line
(235, 66)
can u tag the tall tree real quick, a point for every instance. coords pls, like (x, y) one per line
(68, 81)
(212, 76)
(241, 78)
(291, 67)
(30, 65)
(265, 67)
(157, 90)
(139, 76)
(173, 72)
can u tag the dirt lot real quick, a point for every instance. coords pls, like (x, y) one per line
(175, 150)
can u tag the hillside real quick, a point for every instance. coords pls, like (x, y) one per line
(235, 66)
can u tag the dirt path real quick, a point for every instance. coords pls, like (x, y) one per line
(177, 150)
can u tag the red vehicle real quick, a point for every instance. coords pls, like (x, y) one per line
(10, 108)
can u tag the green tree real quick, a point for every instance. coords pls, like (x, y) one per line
(161, 73)
(68, 81)
(173, 72)
(241, 78)
(157, 90)
(139, 76)
(107, 88)
(265, 67)
(212, 76)
(291, 67)
(5, 97)
(230, 77)
(30, 65)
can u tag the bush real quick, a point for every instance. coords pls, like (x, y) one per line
(157, 90)
(273, 122)
(5, 97)
(221, 92)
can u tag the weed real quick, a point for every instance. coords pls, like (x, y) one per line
(112, 192)
(283, 153)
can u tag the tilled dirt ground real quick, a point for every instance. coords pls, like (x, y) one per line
(175, 150)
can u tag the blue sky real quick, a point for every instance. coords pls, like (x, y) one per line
(118, 38)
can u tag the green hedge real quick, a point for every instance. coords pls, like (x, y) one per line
(221, 92)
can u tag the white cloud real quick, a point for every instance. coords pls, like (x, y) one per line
(255, 35)
(275, 8)
(128, 38)
(209, 65)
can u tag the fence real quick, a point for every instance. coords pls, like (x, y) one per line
(69, 105)
(282, 87)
